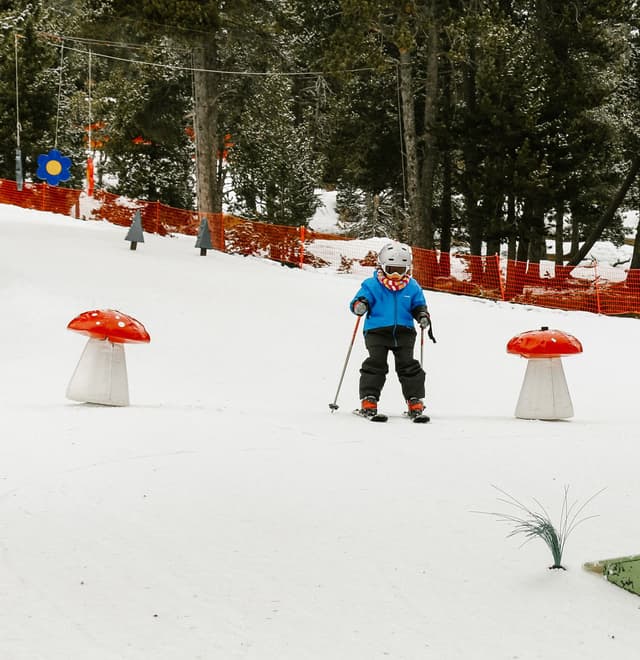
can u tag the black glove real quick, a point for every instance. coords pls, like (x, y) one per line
(360, 307)
(424, 320)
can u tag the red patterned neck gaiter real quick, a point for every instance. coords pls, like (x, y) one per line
(393, 284)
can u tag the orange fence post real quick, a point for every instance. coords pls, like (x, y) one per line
(597, 286)
(500, 279)
(90, 177)
(301, 261)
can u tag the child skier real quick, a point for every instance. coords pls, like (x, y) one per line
(391, 299)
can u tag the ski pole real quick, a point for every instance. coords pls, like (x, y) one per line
(334, 405)
(433, 339)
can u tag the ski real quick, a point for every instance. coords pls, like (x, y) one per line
(418, 419)
(378, 417)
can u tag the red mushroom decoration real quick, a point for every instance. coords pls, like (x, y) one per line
(101, 374)
(544, 343)
(112, 325)
(544, 393)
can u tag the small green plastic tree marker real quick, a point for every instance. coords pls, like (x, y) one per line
(135, 234)
(622, 571)
(204, 238)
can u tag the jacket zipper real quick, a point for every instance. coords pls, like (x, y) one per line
(395, 317)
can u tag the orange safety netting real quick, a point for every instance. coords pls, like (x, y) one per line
(592, 288)
(39, 196)
(595, 287)
(156, 217)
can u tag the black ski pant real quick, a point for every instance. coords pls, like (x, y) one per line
(373, 372)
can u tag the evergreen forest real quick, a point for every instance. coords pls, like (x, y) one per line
(487, 123)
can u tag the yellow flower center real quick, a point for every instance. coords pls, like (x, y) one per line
(54, 167)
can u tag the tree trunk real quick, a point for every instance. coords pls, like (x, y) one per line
(524, 233)
(471, 157)
(560, 234)
(635, 257)
(608, 214)
(633, 276)
(575, 236)
(537, 244)
(512, 225)
(430, 156)
(206, 85)
(411, 146)
(375, 212)
(446, 216)
(446, 202)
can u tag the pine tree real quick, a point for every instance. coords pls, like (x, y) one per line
(145, 111)
(37, 87)
(272, 168)
(196, 26)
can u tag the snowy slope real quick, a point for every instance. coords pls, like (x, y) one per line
(227, 514)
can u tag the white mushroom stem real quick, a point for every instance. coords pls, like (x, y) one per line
(544, 393)
(101, 375)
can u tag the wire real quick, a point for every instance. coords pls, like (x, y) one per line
(196, 133)
(18, 127)
(90, 85)
(104, 42)
(401, 135)
(224, 72)
(55, 141)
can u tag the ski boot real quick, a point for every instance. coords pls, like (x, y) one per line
(369, 406)
(415, 407)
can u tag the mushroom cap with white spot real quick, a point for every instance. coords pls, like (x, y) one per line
(112, 325)
(544, 343)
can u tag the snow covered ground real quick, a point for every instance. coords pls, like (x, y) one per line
(227, 514)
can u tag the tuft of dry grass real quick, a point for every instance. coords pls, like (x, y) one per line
(535, 522)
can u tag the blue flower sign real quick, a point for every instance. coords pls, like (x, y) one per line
(54, 167)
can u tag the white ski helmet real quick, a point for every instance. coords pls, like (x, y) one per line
(395, 259)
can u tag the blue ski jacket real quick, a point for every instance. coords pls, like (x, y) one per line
(390, 308)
